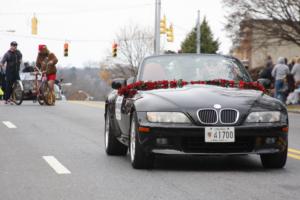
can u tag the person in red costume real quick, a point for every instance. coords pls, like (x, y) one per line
(46, 62)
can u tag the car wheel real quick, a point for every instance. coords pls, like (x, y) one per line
(139, 158)
(274, 160)
(112, 145)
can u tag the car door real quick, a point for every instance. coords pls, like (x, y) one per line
(122, 111)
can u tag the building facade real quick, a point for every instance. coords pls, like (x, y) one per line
(255, 46)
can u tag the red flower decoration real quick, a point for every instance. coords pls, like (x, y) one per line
(150, 85)
(173, 84)
(241, 84)
(132, 89)
(184, 83)
(223, 82)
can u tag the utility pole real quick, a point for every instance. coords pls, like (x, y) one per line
(157, 27)
(198, 40)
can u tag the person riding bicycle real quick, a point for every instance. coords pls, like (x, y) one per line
(46, 62)
(12, 58)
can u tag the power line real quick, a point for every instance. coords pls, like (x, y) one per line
(72, 40)
(180, 28)
(54, 39)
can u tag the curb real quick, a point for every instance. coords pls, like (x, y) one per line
(294, 111)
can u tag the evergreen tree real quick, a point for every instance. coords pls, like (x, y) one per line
(208, 44)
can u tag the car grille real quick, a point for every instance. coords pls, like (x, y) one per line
(198, 145)
(228, 116)
(208, 116)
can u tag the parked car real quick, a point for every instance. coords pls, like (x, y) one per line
(196, 105)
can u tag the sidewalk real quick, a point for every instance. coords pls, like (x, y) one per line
(294, 108)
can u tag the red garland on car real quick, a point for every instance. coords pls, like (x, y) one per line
(131, 89)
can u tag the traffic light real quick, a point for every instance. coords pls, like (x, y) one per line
(163, 26)
(66, 49)
(114, 49)
(34, 23)
(170, 34)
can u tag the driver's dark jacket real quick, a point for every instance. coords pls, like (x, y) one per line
(13, 61)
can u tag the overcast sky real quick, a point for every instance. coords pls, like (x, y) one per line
(90, 26)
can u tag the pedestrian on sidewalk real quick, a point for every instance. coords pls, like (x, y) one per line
(293, 97)
(12, 59)
(296, 73)
(280, 72)
(290, 77)
(267, 71)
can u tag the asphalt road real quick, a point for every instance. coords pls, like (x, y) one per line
(58, 153)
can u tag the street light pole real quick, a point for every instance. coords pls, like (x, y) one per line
(198, 40)
(157, 27)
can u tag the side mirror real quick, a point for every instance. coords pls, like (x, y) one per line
(265, 82)
(118, 83)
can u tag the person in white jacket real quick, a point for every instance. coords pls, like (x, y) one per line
(296, 73)
(293, 97)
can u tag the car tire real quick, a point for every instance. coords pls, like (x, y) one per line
(112, 145)
(138, 157)
(274, 160)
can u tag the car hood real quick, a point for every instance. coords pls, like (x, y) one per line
(189, 99)
(202, 96)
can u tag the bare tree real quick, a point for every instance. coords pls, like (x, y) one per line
(84, 79)
(277, 19)
(110, 71)
(135, 42)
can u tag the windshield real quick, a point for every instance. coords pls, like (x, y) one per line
(192, 68)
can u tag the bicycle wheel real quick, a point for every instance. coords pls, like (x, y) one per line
(49, 99)
(40, 99)
(17, 93)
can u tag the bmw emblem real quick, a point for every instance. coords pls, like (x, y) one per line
(217, 106)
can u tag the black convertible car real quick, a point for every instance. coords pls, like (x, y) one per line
(197, 105)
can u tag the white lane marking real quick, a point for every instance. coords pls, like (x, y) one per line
(9, 124)
(56, 165)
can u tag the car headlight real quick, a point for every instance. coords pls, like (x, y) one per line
(264, 117)
(167, 117)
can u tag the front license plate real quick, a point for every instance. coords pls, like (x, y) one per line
(219, 134)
